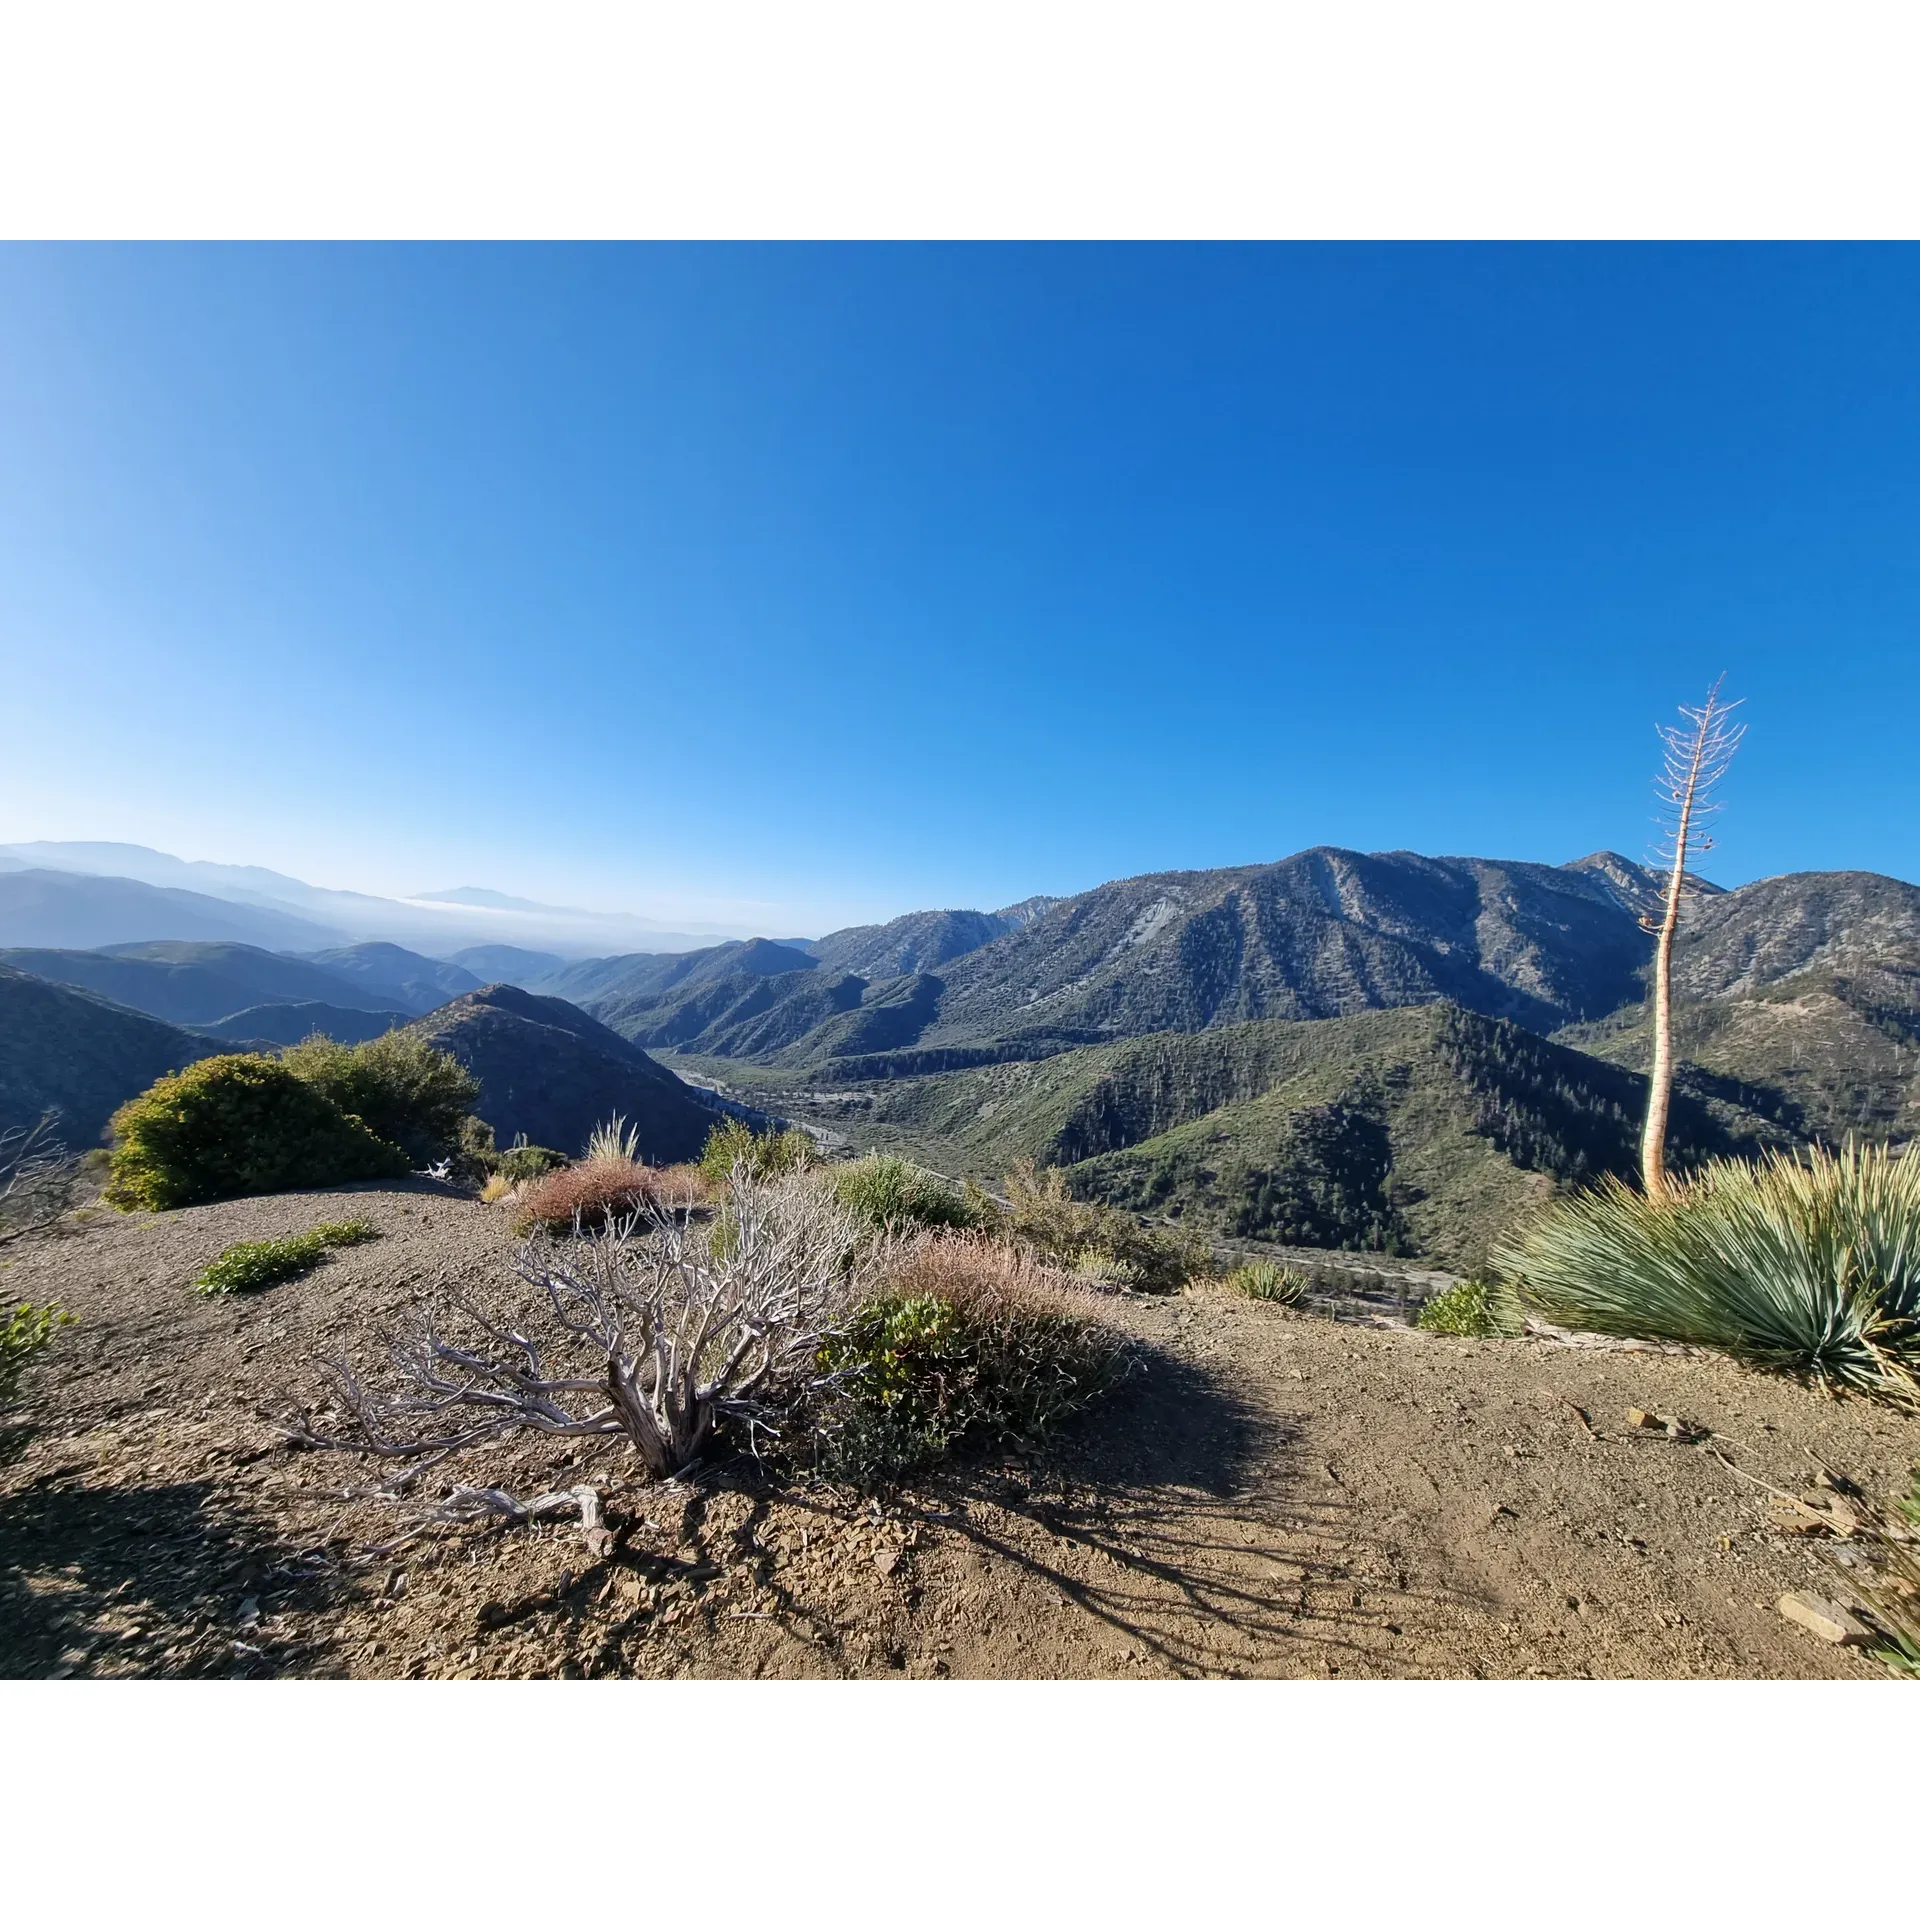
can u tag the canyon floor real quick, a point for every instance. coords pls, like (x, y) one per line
(1273, 1494)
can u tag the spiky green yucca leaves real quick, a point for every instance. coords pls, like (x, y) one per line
(1264, 1280)
(1810, 1265)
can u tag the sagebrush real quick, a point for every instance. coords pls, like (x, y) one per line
(895, 1195)
(1065, 1231)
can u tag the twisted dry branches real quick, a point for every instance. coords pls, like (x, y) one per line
(659, 1328)
(37, 1179)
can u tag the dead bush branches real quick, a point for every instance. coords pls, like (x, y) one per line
(661, 1329)
(37, 1179)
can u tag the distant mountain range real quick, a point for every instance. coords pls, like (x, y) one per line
(274, 909)
(1374, 1047)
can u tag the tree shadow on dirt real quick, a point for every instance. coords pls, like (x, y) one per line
(1195, 1526)
(138, 1582)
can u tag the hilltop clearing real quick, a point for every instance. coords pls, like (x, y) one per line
(1272, 1495)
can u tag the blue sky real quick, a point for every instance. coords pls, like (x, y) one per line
(796, 585)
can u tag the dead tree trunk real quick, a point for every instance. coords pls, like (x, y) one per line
(1696, 755)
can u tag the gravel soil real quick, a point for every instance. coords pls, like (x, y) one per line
(1272, 1494)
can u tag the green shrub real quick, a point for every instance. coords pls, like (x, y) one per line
(406, 1091)
(1065, 1231)
(25, 1333)
(766, 1156)
(966, 1342)
(1263, 1280)
(1807, 1265)
(249, 1264)
(236, 1124)
(529, 1163)
(1473, 1309)
(887, 1192)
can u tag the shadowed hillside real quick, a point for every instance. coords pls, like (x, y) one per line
(192, 982)
(549, 1071)
(66, 1049)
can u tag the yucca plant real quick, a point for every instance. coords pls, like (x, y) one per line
(1809, 1264)
(1263, 1280)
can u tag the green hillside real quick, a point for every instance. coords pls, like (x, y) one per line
(1419, 1130)
(1839, 1050)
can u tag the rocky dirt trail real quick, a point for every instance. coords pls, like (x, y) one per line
(1272, 1494)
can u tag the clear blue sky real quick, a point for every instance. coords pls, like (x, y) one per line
(800, 585)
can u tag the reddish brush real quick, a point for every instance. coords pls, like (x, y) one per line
(594, 1192)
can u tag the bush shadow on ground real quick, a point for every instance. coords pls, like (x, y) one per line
(137, 1582)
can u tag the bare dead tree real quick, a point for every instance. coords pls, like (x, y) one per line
(1695, 756)
(37, 1179)
(659, 1329)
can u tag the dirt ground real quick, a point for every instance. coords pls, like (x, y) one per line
(1272, 1495)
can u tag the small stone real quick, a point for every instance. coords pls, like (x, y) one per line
(1825, 1619)
(885, 1562)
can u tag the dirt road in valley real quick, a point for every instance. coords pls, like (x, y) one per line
(1272, 1494)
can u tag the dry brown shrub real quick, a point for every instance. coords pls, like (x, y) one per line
(597, 1192)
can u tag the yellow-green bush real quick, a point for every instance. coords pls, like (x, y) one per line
(766, 1156)
(236, 1124)
(25, 1332)
(249, 1264)
(887, 1192)
(409, 1093)
(1065, 1232)
(1474, 1310)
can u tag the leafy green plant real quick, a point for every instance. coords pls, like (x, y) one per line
(964, 1340)
(1263, 1280)
(1808, 1265)
(887, 1192)
(1473, 1309)
(408, 1092)
(238, 1123)
(250, 1264)
(25, 1333)
(765, 1156)
(529, 1163)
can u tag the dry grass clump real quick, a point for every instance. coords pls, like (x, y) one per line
(1807, 1265)
(961, 1338)
(596, 1193)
